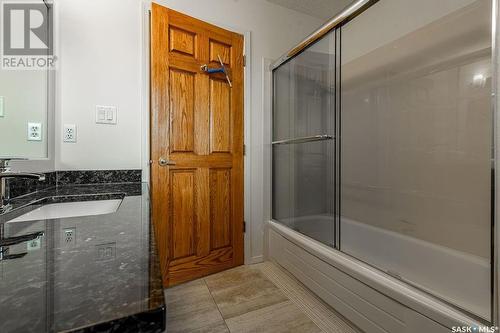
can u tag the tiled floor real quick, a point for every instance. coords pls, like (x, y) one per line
(245, 299)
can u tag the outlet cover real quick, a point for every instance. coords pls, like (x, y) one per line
(34, 244)
(69, 133)
(34, 132)
(2, 106)
(69, 237)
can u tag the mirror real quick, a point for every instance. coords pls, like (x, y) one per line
(24, 112)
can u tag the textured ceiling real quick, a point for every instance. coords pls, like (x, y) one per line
(323, 9)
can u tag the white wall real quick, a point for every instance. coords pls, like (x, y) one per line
(100, 63)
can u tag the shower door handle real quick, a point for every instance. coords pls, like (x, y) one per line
(313, 138)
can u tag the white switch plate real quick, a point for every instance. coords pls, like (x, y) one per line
(2, 106)
(105, 252)
(34, 132)
(69, 133)
(105, 114)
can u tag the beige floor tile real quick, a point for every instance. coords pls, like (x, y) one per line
(190, 307)
(277, 318)
(232, 277)
(216, 328)
(241, 290)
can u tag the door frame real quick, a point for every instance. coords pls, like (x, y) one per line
(144, 41)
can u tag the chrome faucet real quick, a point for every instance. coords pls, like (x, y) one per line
(6, 173)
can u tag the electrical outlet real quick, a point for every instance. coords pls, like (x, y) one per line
(34, 132)
(69, 237)
(105, 251)
(34, 244)
(69, 133)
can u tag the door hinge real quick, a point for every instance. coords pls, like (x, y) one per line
(244, 227)
(244, 61)
(244, 150)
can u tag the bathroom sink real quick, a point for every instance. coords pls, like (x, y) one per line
(70, 209)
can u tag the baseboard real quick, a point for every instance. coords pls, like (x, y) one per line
(256, 260)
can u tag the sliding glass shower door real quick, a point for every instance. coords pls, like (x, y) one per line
(416, 146)
(383, 145)
(303, 146)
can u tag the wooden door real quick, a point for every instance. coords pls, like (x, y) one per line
(197, 128)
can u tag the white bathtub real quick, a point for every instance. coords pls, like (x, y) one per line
(461, 279)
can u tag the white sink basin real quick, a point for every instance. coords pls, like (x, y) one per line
(70, 209)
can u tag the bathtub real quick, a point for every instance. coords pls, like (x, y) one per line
(433, 273)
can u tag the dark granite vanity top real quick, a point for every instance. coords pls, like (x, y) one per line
(105, 277)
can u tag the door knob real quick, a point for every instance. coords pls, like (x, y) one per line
(164, 162)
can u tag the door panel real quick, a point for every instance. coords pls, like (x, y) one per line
(220, 116)
(197, 129)
(182, 210)
(182, 41)
(303, 172)
(182, 92)
(417, 147)
(220, 201)
(220, 49)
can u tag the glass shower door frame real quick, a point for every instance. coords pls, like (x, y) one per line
(338, 136)
(335, 25)
(303, 145)
(495, 180)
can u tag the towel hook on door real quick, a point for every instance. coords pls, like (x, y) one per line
(221, 69)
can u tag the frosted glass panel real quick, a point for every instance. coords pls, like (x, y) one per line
(303, 173)
(303, 185)
(416, 145)
(304, 93)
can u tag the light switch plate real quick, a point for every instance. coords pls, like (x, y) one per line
(105, 252)
(2, 106)
(69, 133)
(34, 132)
(105, 115)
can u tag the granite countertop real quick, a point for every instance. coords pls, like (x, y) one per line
(105, 278)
